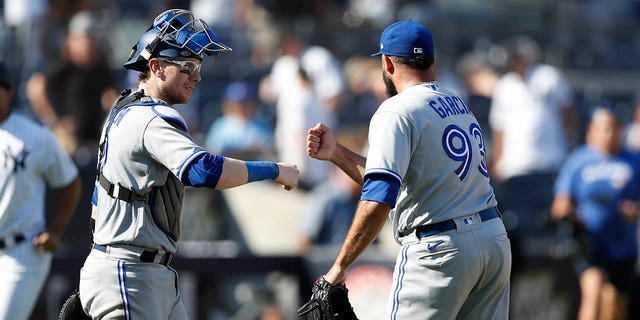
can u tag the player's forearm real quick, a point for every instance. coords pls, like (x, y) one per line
(351, 163)
(369, 219)
(234, 174)
(237, 172)
(37, 94)
(66, 204)
(562, 206)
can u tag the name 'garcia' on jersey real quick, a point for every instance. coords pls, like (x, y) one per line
(449, 105)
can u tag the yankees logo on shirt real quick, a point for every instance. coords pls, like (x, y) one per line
(12, 158)
(30, 160)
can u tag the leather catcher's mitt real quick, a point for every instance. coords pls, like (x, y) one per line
(328, 302)
(72, 309)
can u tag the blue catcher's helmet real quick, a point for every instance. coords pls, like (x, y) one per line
(174, 33)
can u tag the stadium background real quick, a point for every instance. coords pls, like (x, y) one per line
(239, 257)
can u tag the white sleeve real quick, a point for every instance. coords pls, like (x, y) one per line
(562, 93)
(172, 147)
(496, 112)
(389, 144)
(58, 169)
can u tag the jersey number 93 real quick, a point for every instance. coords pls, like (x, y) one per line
(458, 146)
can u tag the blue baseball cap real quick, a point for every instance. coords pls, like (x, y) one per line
(406, 38)
(238, 92)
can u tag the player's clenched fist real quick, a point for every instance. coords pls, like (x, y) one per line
(288, 176)
(321, 143)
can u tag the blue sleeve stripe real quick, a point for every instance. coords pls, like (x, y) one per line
(205, 171)
(187, 163)
(94, 196)
(169, 118)
(382, 171)
(383, 188)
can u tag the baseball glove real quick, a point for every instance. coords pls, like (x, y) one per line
(328, 302)
(72, 309)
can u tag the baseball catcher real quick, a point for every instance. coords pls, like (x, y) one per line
(328, 302)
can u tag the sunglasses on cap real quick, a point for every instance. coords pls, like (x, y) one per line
(186, 67)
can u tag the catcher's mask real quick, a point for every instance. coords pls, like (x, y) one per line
(174, 33)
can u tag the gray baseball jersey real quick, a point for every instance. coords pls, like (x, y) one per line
(430, 141)
(428, 138)
(146, 143)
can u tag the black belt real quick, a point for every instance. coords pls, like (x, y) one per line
(119, 192)
(145, 256)
(17, 238)
(431, 229)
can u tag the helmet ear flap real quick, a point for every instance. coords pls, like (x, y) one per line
(143, 49)
(133, 51)
(149, 48)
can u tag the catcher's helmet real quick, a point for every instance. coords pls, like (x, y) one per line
(174, 33)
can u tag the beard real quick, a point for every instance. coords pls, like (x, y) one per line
(390, 87)
(172, 95)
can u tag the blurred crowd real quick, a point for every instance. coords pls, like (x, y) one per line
(532, 76)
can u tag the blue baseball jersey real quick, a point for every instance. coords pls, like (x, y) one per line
(429, 141)
(597, 183)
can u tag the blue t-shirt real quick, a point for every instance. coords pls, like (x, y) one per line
(597, 184)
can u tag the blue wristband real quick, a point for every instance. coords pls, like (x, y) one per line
(261, 170)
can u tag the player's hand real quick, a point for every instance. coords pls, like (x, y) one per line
(288, 176)
(46, 242)
(321, 143)
(336, 275)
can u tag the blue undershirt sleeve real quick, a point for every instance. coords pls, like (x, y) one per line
(381, 187)
(204, 171)
(94, 196)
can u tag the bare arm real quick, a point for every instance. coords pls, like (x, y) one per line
(368, 221)
(66, 203)
(234, 174)
(322, 145)
(36, 91)
(108, 98)
(562, 207)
